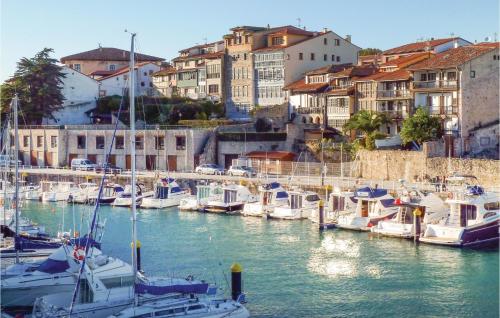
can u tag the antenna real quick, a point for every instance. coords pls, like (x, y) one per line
(205, 40)
(298, 22)
(99, 45)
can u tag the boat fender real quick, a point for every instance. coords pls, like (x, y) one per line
(450, 195)
(79, 253)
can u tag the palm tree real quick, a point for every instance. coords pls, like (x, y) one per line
(368, 123)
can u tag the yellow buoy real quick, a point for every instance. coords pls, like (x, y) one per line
(236, 268)
(321, 203)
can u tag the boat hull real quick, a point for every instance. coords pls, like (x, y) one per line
(476, 236)
(231, 208)
(152, 203)
(26, 296)
(359, 223)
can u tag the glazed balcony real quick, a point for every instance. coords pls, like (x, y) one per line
(435, 85)
(447, 110)
(394, 94)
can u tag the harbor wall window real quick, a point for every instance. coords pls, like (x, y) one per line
(39, 141)
(139, 142)
(26, 141)
(312, 57)
(325, 57)
(325, 41)
(333, 57)
(213, 89)
(180, 142)
(119, 142)
(81, 142)
(338, 58)
(277, 40)
(99, 142)
(53, 141)
(160, 143)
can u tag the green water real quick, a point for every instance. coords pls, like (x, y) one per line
(292, 270)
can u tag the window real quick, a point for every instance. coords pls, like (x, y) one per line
(26, 141)
(277, 40)
(472, 74)
(160, 143)
(338, 58)
(325, 41)
(333, 57)
(423, 77)
(451, 76)
(325, 57)
(145, 73)
(112, 67)
(180, 142)
(301, 56)
(99, 142)
(53, 141)
(125, 77)
(431, 76)
(142, 84)
(39, 141)
(81, 142)
(491, 206)
(244, 56)
(312, 56)
(150, 72)
(337, 42)
(77, 67)
(213, 89)
(484, 141)
(119, 143)
(139, 142)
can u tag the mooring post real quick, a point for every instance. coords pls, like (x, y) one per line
(321, 215)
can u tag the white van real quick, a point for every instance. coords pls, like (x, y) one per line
(82, 164)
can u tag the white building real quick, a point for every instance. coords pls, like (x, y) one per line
(80, 95)
(116, 83)
(290, 53)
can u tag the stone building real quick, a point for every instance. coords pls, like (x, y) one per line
(165, 82)
(55, 146)
(461, 87)
(104, 61)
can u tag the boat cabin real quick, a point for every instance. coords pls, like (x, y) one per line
(472, 207)
(371, 201)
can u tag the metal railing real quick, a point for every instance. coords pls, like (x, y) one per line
(436, 84)
(309, 110)
(399, 93)
(443, 110)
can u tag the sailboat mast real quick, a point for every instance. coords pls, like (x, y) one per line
(16, 158)
(132, 154)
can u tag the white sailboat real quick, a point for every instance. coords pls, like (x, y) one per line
(301, 205)
(271, 195)
(233, 199)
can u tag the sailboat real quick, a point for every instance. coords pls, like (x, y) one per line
(130, 291)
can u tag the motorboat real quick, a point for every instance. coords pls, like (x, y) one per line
(204, 193)
(30, 192)
(234, 197)
(429, 207)
(86, 190)
(110, 192)
(26, 191)
(55, 274)
(301, 205)
(53, 191)
(271, 195)
(372, 206)
(167, 193)
(473, 220)
(125, 198)
(338, 200)
(29, 247)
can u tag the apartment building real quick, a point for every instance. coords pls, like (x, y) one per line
(165, 82)
(163, 149)
(104, 61)
(199, 71)
(290, 52)
(117, 83)
(460, 86)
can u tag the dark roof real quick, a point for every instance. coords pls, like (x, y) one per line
(199, 56)
(355, 71)
(110, 54)
(248, 27)
(300, 86)
(407, 60)
(333, 68)
(201, 46)
(102, 73)
(399, 75)
(166, 71)
(418, 46)
(452, 58)
(290, 29)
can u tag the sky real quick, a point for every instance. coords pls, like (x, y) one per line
(165, 27)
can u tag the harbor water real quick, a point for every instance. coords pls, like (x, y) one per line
(290, 269)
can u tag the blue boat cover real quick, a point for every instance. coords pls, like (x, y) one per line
(167, 180)
(52, 266)
(22, 243)
(82, 241)
(368, 192)
(175, 190)
(281, 195)
(387, 202)
(474, 190)
(161, 290)
(271, 186)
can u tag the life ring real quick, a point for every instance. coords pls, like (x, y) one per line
(79, 253)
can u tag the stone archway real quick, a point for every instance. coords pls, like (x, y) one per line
(317, 120)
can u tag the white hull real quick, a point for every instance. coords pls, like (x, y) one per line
(390, 228)
(22, 295)
(152, 203)
(286, 213)
(189, 204)
(55, 196)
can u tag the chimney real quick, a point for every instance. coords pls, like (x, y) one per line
(325, 30)
(348, 38)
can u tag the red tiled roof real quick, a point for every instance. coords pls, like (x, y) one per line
(452, 58)
(407, 60)
(333, 68)
(166, 71)
(399, 75)
(199, 56)
(341, 92)
(280, 47)
(300, 86)
(273, 155)
(289, 29)
(488, 44)
(201, 46)
(109, 54)
(123, 70)
(417, 46)
(355, 71)
(102, 73)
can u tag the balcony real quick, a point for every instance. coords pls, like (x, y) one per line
(437, 84)
(309, 110)
(443, 110)
(394, 94)
(400, 112)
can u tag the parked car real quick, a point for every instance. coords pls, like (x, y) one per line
(241, 171)
(82, 164)
(110, 168)
(209, 168)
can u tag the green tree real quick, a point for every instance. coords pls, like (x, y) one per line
(38, 83)
(369, 51)
(421, 127)
(368, 123)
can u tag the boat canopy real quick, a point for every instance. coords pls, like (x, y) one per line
(371, 193)
(474, 190)
(57, 262)
(23, 243)
(271, 186)
(166, 181)
(201, 288)
(281, 195)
